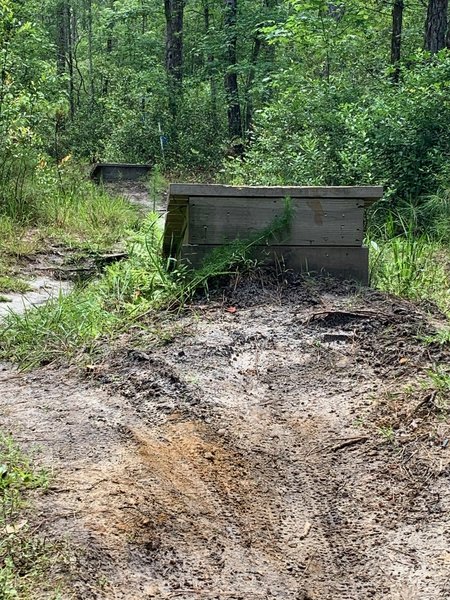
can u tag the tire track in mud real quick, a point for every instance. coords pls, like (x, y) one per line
(211, 467)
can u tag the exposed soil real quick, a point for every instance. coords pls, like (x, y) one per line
(261, 445)
(51, 273)
(137, 193)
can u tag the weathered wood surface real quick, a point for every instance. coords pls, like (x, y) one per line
(118, 172)
(370, 193)
(176, 228)
(325, 234)
(315, 221)
(344, 262)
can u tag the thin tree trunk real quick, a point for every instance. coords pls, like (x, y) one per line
(90, 52)
(250, 79)
(70, 20)
(209, 67)
(174, 11)
(109, 49)
(436, 25)
(61, 36)
(396, 39)
(231, 79)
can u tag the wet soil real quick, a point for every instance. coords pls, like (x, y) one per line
(53, 272)
(273, 442)
(138, 194)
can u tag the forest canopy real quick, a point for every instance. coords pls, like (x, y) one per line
(270, 91)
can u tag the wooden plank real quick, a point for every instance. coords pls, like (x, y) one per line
(118, 172)
(176, 227)
(315, 221)
(369, 193)
(343, 262)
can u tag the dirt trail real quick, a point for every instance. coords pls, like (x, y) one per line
(47, 274)
(260, 453)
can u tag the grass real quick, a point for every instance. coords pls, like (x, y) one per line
(9, 284)
(411, 265)
(57, 206)
(77, 325)
(25, 559)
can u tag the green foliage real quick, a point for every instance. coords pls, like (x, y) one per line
(57, 204)
(74, 326)
(13, 284)
(23, 558)
(396, 136)
(407, 264)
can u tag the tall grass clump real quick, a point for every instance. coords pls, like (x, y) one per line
(40, 201)
(409, 262)
(75, 324)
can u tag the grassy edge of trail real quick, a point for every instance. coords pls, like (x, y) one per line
(74, 327)
(27, 560)
(132, 292)
(57, 208)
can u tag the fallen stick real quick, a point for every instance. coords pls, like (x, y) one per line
(350, 442)
(357, 314)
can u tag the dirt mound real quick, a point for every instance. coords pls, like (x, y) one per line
(264, 447)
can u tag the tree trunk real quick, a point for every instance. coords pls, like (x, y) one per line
(61, 37)
(250, 79)
(210, 71)
(70, 58)
(174, 11)
(436, 25)
(231, 79)
(396, 38)
(109, 49)
(90, 52)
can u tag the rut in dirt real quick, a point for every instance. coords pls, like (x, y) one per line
(243, 452)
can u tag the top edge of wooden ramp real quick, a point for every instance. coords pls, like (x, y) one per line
(193, 189)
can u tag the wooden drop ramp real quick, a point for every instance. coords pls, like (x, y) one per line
(326, 233)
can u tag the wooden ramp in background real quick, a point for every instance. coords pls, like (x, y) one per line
(326, 233)
(118, 172)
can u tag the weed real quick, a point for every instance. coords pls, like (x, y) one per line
(239, 252)
(407, 264)
(439, 382)
(388, 433)
(10, 284)
(24, 558)
(441, 337)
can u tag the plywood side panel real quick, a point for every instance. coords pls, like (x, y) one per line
(345, 262)
(315, 221)
(176, 227)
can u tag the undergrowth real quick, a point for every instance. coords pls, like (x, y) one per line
(57, 205)
(410, 263)
(75, 326)
(25, 559)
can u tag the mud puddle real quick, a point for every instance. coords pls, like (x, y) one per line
(260, 446)
(42, 290)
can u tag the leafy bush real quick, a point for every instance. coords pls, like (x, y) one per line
(320, 133)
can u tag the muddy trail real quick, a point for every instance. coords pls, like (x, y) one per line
(274, 442)
(55, 271)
